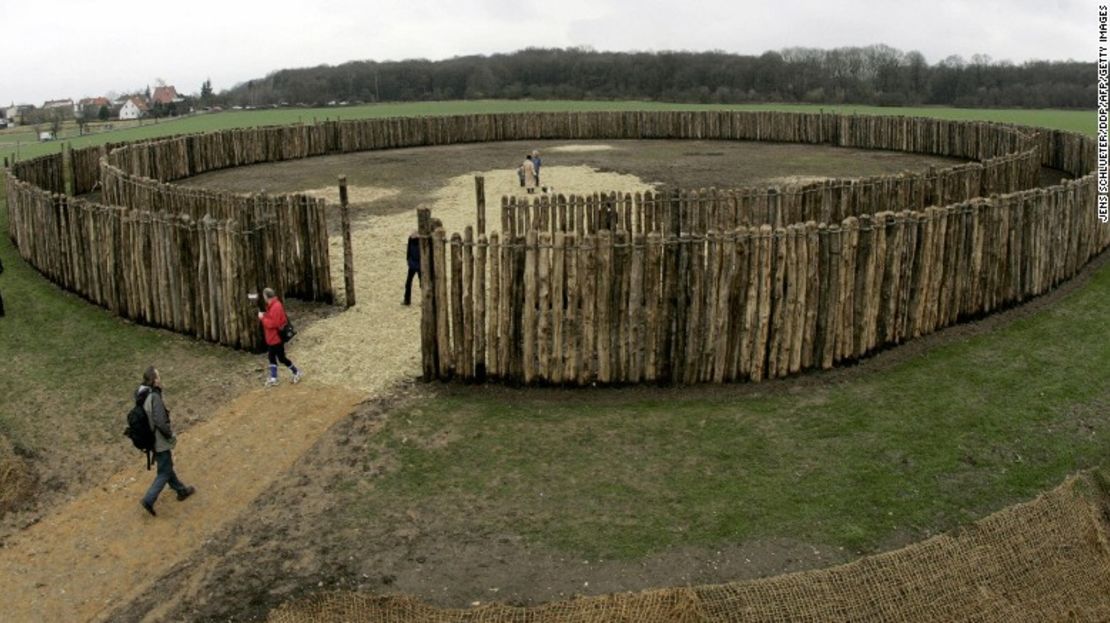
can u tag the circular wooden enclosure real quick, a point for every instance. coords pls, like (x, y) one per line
(683, 286)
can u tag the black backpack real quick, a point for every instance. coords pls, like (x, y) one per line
(287, 332)
(139, 429)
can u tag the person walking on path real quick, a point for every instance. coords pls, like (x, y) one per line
(413, 257)
(150, 394)
(273, 320)
(536, 163)
(529, 169)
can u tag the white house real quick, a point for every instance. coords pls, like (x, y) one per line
(66, 104)
(133, 108)
(15, 114)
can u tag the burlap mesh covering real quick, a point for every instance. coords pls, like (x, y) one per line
(1044, 560)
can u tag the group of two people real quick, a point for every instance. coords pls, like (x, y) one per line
(529, 172)
(149, 395)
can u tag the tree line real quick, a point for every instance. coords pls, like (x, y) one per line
(871, 75)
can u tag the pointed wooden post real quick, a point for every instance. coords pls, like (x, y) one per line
(428, 346)
(348, 250)
(480, 194)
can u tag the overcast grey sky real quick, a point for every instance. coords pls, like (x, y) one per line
(78, 48)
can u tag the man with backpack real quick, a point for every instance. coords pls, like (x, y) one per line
(157, 437)
(278, 331)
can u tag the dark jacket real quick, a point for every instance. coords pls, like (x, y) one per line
(158, 416)
(413, 252)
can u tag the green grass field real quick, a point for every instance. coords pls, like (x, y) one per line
(872, 459)
(900, 453)
(1078, 121)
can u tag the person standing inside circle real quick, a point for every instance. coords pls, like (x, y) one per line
(273, 320)
(529, 169)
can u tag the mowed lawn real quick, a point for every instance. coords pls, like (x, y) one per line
(860, 460)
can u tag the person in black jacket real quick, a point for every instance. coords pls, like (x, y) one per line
(150, 392)
(413, 256)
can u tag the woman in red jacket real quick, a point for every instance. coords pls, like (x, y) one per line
(273, 319)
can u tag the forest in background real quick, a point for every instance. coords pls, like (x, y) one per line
(872, 75)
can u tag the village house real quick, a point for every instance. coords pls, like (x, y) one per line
(165, 95)
(66, 106)
(93, 104)
(133, 108)
(14, 114)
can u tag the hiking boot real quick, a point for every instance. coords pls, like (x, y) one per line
(181, 495)
(271, 382)
(148, 508)
(297, 376)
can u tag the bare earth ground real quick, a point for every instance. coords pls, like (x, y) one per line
(226, 556)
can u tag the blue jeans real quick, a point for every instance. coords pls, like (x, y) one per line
(165, 476)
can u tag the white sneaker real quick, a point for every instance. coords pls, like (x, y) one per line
(297, 377)
(271, 382)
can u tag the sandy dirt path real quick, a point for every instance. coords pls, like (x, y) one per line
(101, 550)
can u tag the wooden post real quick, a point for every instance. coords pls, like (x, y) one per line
(348, 250)
(467, 362)
(441, 269)
(479, 294)
(635, 310)
(764, 278)
(558, 289)
(427, 292)
(604, 306)
(529, 313)
(572, 333)
(494, 309)
(653, 255)
(543, 307)
(458, 332)
(480, 194)
(587, 277)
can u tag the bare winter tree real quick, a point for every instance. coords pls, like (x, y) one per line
(56, 120)
(83, 119)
